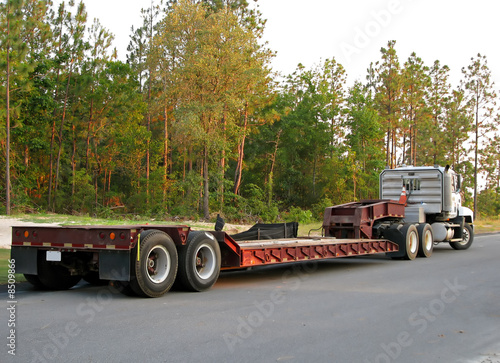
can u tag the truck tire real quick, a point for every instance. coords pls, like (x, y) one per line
(156, 267)
(35, 281)
(406, 236)
(123, 287)
(410, 235)
(199, 262)
(54, 276)
(425, 239)
(468, 238)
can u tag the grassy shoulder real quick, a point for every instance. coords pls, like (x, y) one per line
(5, 266)
(487, 225)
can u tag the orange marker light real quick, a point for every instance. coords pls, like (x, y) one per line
(26, 234)
(112, 235)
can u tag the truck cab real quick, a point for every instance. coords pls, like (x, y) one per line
(433, 196)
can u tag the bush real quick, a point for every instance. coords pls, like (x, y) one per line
(299, 215)
(319, 208)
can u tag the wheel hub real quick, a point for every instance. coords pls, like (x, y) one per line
(158, 264)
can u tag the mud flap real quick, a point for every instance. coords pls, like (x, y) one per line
(26, 259)
(459, 232)
(114, 265)
(394, 234)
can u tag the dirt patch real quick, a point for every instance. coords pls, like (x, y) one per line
(6, 229)
(6, 224)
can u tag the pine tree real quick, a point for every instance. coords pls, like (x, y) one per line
(416, 128)
(481, 98)
(388, 99)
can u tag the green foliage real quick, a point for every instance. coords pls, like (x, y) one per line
(195, 124)
(489, 200)
(299, 215)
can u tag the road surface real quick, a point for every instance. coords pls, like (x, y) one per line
(370, 309)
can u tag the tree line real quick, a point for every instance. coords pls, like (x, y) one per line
(195, 123)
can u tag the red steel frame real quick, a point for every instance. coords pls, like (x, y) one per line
(255, 253)
(90, 237)
(233, 254)
(356, 220)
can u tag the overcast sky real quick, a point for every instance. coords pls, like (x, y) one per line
(353, 31)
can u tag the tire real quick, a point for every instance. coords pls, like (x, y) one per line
(156, 269)
(468, 238)
(406, 236)
(199, 262)
(410, 235)
(425, 239)
(410, 241)
(35, 281)
(54, 276)
(123, 287)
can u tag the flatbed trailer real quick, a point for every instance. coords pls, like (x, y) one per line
(148, 259)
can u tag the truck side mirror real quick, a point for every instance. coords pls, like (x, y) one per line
(459, 182)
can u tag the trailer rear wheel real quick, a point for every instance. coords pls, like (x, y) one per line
(426, 240)
(156, 267)
(123, 287)
(54, 276)
(468, 238)
(35, 281)
(199, 262)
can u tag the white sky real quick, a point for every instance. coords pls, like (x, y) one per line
(353, 31)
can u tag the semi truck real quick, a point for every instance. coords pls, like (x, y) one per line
(429, 211)
(147, 260)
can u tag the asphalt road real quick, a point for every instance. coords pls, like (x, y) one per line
(371, 309)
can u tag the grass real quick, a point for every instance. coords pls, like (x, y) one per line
(4, 267)
(63, 219)
(487, 225)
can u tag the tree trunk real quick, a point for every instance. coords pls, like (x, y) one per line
(58, 162)
(206, 211)
(7, 146)
(73, 162)
(165, 154)
(475, 157)
(241, 153)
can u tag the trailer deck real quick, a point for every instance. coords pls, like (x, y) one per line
(254, 253)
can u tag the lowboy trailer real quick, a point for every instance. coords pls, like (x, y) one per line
(147, 260)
